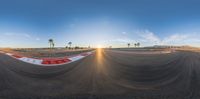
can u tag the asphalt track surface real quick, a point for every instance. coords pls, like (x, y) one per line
(106, 74)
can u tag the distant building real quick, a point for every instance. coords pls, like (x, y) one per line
(169, 46)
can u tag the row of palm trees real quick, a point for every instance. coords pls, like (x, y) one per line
(135, 44)
(52, 44)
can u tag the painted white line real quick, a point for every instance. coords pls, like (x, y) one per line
(89, 53)
(75, 58)
(9, 54)
(166, 52)
(31, 60)
(40, 61)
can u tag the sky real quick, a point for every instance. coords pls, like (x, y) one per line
(30, 23)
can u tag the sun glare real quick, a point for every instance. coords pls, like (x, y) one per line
(99, 46)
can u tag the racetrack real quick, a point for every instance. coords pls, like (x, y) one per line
(105, 74)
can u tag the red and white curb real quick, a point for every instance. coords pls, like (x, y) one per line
(50, 61)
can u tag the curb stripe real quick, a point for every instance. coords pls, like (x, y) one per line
(50, 61)
(31, 60)
(76, 58)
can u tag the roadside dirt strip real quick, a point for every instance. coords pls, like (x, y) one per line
(50, 61)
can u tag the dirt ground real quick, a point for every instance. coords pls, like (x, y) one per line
(45, 52)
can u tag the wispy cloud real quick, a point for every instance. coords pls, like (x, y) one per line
(122, 40)
(18, 34)
(37, 39)
(176, 38)
(173, 39)
(16, 39)
(124, 33)
(13, 35)
(148, 38)
(187, 39)
(72, 25)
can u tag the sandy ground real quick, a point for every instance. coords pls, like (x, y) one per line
(44, 53)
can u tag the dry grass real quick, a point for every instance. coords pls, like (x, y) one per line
(45, 52)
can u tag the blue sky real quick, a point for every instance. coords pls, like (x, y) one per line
(30, 23)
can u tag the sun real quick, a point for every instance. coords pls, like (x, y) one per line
(99, 46)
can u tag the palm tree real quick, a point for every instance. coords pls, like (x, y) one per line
(138, 44)
(135, 44)
(51, 43)
(128, 44)
(70, 44)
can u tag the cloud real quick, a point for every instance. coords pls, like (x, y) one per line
(187, 39)
(37, 39)
(150, 38)
(176, 38)
(72, 25)
(143, 36)
(18, 34)
(147, 36)
(122, 40)
(124, 33)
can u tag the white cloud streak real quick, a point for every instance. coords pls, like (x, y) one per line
(148, 38)
(18, 34)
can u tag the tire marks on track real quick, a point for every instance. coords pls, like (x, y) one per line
(105, 74)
